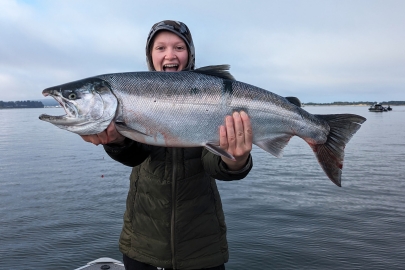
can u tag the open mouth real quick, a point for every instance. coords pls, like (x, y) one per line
(70, 109)
(170, 67)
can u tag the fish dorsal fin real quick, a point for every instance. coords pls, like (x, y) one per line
(294, 100)
(221, 71)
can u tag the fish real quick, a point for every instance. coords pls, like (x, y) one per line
(186, 108)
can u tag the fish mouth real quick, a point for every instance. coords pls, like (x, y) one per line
(70, 108)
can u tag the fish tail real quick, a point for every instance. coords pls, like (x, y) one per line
(330, 154)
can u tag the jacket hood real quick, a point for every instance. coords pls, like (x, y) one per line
(177, 28)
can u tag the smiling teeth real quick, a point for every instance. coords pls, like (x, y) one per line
(173, 65)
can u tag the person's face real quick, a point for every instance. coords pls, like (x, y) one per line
(169, 52)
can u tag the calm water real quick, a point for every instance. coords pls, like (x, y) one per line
(62, 200)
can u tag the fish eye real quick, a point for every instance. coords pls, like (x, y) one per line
(72, 96)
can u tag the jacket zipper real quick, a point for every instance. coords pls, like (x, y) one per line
(174, 176)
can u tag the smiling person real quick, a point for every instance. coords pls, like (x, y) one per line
(174, 217)
(168, 52)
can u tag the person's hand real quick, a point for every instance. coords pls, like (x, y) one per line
(109, 135)
(236, 138)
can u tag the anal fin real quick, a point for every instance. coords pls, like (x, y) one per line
(275, 144)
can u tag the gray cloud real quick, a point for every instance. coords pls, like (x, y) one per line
(318, 50)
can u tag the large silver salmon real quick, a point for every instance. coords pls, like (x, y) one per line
(185, 109)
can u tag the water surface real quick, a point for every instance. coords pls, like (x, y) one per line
(62, 200)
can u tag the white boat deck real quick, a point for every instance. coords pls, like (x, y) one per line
(103, 264)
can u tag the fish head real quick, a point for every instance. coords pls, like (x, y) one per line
(90, 106)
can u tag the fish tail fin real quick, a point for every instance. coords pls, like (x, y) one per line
(330, 154)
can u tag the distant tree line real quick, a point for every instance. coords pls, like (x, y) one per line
(39, 104)
(20, 104)
(398, 103)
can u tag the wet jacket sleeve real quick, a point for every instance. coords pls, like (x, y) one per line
(217, 169)
(131, 153)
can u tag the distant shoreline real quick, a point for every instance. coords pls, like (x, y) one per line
(50, 103)
(354, 105)
(26, 104)
(359, 103)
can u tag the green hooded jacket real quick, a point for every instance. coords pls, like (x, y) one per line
(174, 217)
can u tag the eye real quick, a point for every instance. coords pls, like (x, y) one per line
(69, 94)
(160, 48)
(72, 96)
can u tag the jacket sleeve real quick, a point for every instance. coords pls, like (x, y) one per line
(217, 169)
(131, 153)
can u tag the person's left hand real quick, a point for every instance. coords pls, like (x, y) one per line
(236, 138)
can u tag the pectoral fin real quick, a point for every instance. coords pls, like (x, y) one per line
(129, 133)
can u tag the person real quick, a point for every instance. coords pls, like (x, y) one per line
(174, 217)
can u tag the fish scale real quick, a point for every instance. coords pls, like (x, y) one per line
(185, 109)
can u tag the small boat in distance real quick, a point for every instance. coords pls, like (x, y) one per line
(389, 108)
(377, 107)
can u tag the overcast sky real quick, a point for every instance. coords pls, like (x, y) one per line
(319, 51)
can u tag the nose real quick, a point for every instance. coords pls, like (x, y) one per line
(171, 54)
